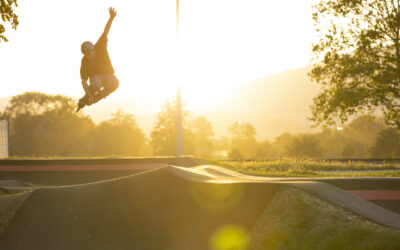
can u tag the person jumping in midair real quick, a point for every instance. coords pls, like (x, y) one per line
(96, 66)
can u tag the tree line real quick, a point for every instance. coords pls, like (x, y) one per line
(364, 137)
(47, 125)
(43, 125)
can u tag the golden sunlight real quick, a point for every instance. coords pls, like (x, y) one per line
(222, 45)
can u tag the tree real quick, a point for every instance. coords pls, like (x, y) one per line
(357, 60)
(242, 139)
(163, 136)
(8, 15)
(47, 125)
(120, 135)
(235, 154)
(304, 145)
(387, 144)
(331, 140)
(265, 150)
(353, 140)
(361, 133)
(202, 134)
(36, 103)
(221, 147)
(348, 150)
(282, 142)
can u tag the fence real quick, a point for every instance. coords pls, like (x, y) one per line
(4, 142)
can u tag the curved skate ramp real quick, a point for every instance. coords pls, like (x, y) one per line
(315, 186)
(167, 208)
(153, 210)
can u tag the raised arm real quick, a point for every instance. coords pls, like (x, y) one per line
(113, 13)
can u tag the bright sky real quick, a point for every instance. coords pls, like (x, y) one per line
(223, 43)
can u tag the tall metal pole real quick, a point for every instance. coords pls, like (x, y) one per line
(178, 97)
(177, 19)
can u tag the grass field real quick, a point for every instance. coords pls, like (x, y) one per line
(296, 220)
(9, 205)
(311, 168)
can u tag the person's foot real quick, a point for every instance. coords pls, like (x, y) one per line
(96, 97)
(80, 106)
(82, 103)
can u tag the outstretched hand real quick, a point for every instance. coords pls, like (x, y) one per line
(113, 13)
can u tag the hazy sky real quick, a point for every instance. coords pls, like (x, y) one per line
(223, 43)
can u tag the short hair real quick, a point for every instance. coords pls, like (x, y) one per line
(84, 46)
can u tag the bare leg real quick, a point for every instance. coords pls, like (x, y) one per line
(94, 88)
(110, 84)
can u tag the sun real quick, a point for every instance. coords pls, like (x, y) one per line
(214, 55)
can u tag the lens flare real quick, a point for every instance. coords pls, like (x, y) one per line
(216, 197)
(230, 237)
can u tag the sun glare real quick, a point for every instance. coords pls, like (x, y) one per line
(222, 45)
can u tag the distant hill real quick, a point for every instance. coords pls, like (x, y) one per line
(273, 105)
(286, 95)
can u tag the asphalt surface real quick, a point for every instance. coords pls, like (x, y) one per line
(164, 206)
(158, 209)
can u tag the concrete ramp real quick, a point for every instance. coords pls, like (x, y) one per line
(167, 208)
(158, 209)
(322, 190)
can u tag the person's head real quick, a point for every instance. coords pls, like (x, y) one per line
(88, 50)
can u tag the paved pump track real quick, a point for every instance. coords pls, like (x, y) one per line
(168, 207)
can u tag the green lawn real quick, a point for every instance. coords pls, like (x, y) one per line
(311, 168)
(296, 220)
